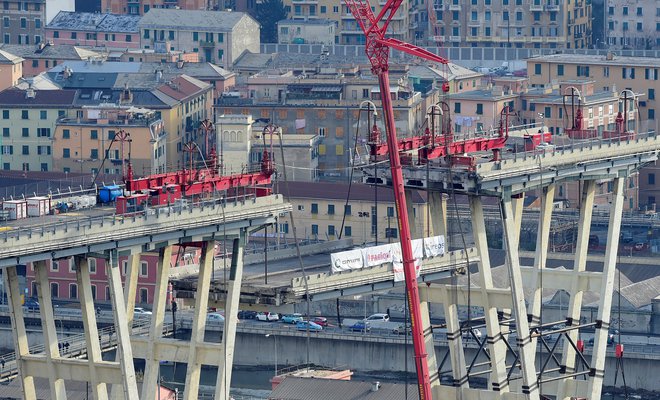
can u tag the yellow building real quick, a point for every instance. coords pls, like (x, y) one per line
(85, 144)
(11, 69)
(318, 209)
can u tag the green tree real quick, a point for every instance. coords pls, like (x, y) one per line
(269, 12)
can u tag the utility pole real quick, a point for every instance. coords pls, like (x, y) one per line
(174, 308)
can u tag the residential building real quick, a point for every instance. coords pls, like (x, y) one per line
(141, 7)
(301, 154)
(144, 55)
(460, 79)
(348, 31)
(28, 126)
(479, 111)
(632, 24)
(322, 209)
(219, 36)
(92, 29)
(23, 22)
(311, 31)
(512, 23)
(11, 69)
(326, 101)
(88, 141)
(42, 57)
(180, 101)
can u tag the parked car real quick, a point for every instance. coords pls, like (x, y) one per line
(247, 314)
(215, 317)
(323, 321)
(359, 326)
(378, 317)
(304, 325)
(475, 333)
(292, 318)
(139, 311)
(31, 304)
(267, 316)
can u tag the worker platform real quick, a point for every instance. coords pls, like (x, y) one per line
(513, 315)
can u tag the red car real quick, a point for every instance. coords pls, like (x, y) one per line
(323, 321)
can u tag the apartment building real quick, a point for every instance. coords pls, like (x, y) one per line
(92, 29)
(23, 22)
(219, 36)
(632, 24)
(370, 214)
(348, 31)
(141, 7)
(40, 58)
(27, 124)
(512, 23)
(11, 67)
(311, 31)
(327, 102)
(478, 111)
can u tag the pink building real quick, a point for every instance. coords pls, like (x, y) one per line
(91, 29)
(63, 284)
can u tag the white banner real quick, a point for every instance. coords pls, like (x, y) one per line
(397, 264)
(346, 260)
(434, 246)
(378, 255)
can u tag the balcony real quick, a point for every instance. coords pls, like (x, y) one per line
(305, 1)
(552, 7)
(206, 43)
(454, 38)
(454, 7)
(536, 7)
(537, 39)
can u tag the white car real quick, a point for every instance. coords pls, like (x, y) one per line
(215, 317)
(267, 316)
(380, 317)
(139, 311)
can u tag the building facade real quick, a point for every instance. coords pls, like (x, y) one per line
(219, 36)
(512, 23)
(312, 31)
(23, 22)
(141, 7)
(28, 126)
(11, 69)
(91, 29)
(632, 24)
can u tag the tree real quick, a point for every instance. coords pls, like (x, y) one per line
(269, 12)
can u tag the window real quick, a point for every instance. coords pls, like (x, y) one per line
(91, 263)
(26, 150)
(93, 287)
(625, 10)
(43, 114)
(94, 154)
(583, 70)
(66, 134)
(37, 23)
(73, 291)
(26, 132)
(391, 233)
(537, 16)
(331, 209)
(195, 36)
(74, 35)
(651, 178)
(23, 23)
(651, 113)
(606, 72)
(457, 108)
(651, 95)
(54, 290)
(480, 108)
(129, 38)
(24, 114)
(170, 35)
(144, 294)
(43, 132)
(144, 268)
(315, 208)
(94, 134)
(56, 34)
(315, 229)
(66, 153)
(55, 266)
(5, 132)
(519, 15)
(331, 230)
(625, 26)
(347, 209)
(547, 112)
(537, 69)
(5, 114)
(560, 70)
(348, 232)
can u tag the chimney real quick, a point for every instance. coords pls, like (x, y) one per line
(159, 75)
(375, 387)
(179, 63)
(610, 56)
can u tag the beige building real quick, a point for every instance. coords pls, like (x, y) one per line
(310, 31)
(349, 31)
(141, 7)
(219, 36)
(11, 69)
(632, 24)
(319, 209)
(512, 23)
(85, 144)
(479, 111)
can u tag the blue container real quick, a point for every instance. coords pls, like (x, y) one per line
(108, 194)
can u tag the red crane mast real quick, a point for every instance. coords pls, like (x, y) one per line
(377, 48)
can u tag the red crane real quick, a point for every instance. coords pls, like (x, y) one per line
(377, 48)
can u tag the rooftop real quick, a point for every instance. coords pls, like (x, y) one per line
(214, 21)
(6, 58)
(49, 51)
(584, 59)
(42, 98)
(556, 97)
(93, 22)
(182, 87)
(483, 94)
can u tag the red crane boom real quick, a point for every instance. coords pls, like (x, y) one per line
(377, 48)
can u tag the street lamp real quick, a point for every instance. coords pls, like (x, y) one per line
(275, 339)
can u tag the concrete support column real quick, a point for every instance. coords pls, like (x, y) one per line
(151, 381)
(496, 346)
(431, 358)
(410, 209)
(541, 253)
(579, 265)
(94, 356)
(199, 321)
(438, 211)
(606, 290)
(518, 206)
(51, 348)
(124, 351)
(18, 330)
(525, 349)
(455, 343)
(231, 318)
(130, 286)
